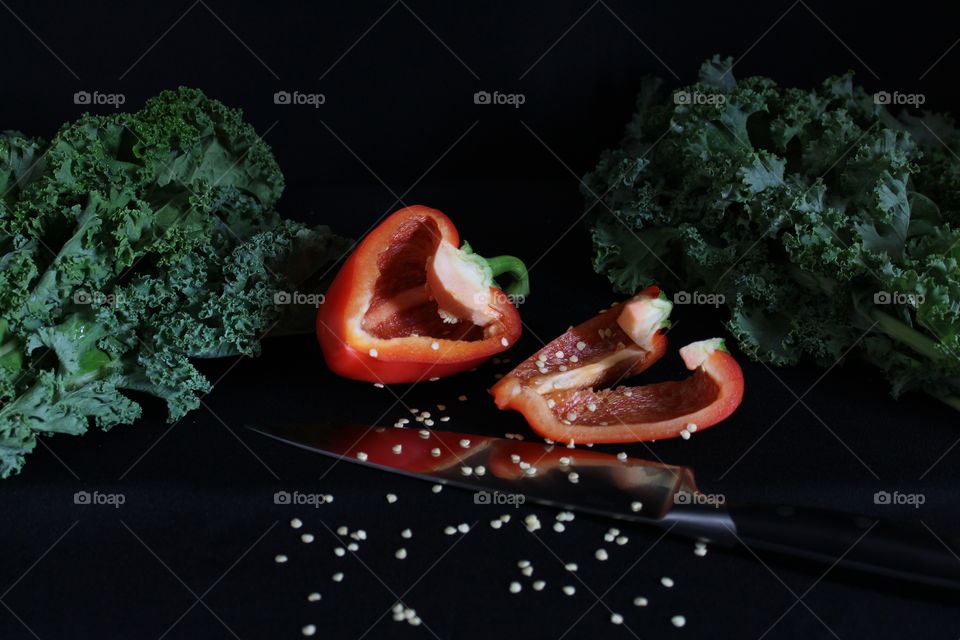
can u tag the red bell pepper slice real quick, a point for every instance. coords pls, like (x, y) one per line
(410, 303)
(561, 389)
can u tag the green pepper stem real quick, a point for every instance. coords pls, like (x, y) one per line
(515, 267)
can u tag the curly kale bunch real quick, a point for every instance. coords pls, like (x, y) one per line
(129, 244)
(828, 225)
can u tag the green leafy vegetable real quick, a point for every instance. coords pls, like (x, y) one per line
(129, 244)
(827, 224)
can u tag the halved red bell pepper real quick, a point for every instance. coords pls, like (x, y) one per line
(563, 390)
(410, 303)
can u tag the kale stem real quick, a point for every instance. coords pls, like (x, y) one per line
(515, 267)
(922, 344)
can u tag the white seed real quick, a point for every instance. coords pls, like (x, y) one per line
(309, 629)
(496, 524)
(690, 427)
(340, 551)
(558, 527)
(428, 423)
(667, 582)
(444, 418)
(608, 537)
(314, 597)
(570, 566)
(397, 448)
(373, 353)
(569, 590)
(622, 540)
(338, 576)
(527, 571)
(515, 587)
(342, 531)
(505, 518)
(426, 414)
(571, 416)
(467, 471)
(636, 505)
(435, 452)
(378, 385)
(591, 407)
(307, 538)
(361, 534)
(400, 554)
(296, 523)
(353, 546)
(465, 443)
(391, 498)
(581, 345)
(616, 618)
(524, 465)
(551, 403)
(406, 533)
(479, 470)
(523, 564)
(700, 549)
(562, 367)
(573, 359)
(434, 345)
(532, 522)
(538, 585)
(678, 621)
(437, 488)
(424, 434)
(622, 456)
(449, 530)
(564, 461)
(601, 554)
(685, 434)
(504, 342)
(280, 558)
(640, 601)
(559, 355)
(362, 456)
(463, 527)
(541, 370)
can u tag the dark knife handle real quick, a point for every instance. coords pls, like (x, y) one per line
(903, 551)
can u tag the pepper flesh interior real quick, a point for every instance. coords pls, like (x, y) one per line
(402, 303)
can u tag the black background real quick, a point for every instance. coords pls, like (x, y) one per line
(399, 126)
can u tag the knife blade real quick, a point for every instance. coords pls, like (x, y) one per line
(650, 493)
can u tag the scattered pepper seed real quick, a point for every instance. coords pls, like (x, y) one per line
(391, 498)
(338, 576)
(353, 547)
(465, 443)
(504, 342)
(570, 566)
(616, 618)
(678, 621)
(280, 558)
(400, 554)
(361, 456)
(569, 590)
(667, 582)
(581, 345)
(558, 527)
(496, 524)
(636, 505)
(463, 527)
(313, 597)
(622, 456)
(640, 601)
(373, 353)
(342, 531)
(700, 549)
(532, 522)
(601, 554)
(622, 540)
(307, 538)
(437, 488)
(296, 523)
(515, 587)
(435, 345)
(340, 551)
(435, 452)
(449, 530)
(309, 629)
(539, 585)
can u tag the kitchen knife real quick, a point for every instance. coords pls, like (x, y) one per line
(634, 490)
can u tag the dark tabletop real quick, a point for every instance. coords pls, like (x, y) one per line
(191, 552)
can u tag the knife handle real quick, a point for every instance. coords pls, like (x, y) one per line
(861, 543)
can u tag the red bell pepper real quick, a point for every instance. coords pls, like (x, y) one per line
(410, 303)
(562, 393)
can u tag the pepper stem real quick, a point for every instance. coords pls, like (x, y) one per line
(499, 265)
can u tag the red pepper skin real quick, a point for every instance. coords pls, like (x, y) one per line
(584, 412)
(347, 346)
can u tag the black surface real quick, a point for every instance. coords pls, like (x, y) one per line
(199, 519)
